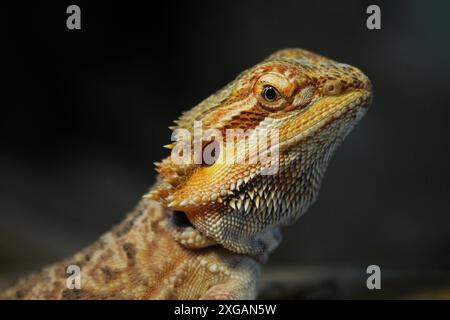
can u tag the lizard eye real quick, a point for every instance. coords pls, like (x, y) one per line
(270, 94)
(273, 91)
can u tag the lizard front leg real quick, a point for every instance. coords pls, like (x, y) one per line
(242, 282)
(232, 276)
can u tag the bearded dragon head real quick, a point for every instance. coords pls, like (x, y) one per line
(251, 157)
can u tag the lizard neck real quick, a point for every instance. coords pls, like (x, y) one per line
(139, 259)
(130, 262)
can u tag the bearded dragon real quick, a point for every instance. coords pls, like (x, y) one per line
(204, 229)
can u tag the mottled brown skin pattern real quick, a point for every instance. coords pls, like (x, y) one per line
(139, 259)
(234, 211)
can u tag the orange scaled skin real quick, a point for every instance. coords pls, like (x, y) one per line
(234, 212)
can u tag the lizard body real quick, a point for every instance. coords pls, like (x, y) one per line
(204, 228)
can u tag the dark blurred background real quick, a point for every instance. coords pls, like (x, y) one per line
(84, 114)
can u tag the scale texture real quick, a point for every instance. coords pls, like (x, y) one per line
(204, 229)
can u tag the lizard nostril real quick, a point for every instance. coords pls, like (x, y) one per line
(332, 87)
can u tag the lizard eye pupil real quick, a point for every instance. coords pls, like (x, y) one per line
(270, 93)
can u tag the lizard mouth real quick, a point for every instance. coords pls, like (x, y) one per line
(180, 220)
(185, 233)
(352, 106)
